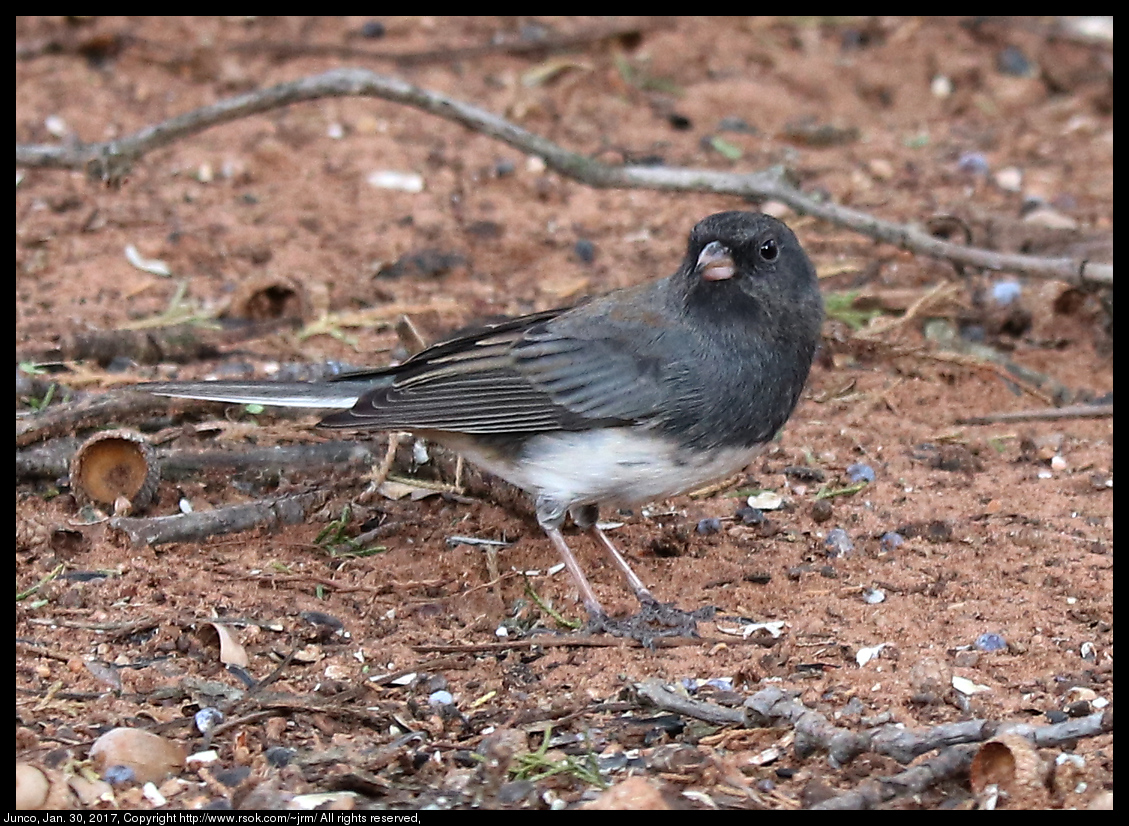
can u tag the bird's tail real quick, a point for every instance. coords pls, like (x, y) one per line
(337, 395)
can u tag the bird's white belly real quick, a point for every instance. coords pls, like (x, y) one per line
(612, 466)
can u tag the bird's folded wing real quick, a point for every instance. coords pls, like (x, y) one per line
(521, 376)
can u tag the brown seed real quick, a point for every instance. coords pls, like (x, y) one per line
(821, 510)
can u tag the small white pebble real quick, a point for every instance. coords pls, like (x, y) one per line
(766, 500)
(865, 655)
(881, 169)
(941, 87)
(873, 596)
(1009, 179)
(966, 686)
(1050, 218)
(153, 266)
(777, 209)
(153, 795)
(391, 179)
(56, 126)
(209, 756)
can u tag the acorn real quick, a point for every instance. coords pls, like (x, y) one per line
(269, 298)
(1011, 764)
(117, 468)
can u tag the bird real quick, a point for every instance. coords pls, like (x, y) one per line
(634, 396)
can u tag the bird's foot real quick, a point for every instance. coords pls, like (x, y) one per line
(654, 621)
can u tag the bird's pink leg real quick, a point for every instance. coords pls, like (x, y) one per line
(586, 593)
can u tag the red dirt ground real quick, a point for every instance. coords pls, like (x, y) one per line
(1006, 542)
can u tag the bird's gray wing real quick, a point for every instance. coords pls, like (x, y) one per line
(468, 384)
(548, 371)
(624, 356)
(614, 376)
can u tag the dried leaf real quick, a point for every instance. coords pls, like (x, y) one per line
(231, 652)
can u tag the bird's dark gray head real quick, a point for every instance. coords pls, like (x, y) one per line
(750, 303)
(747, 263)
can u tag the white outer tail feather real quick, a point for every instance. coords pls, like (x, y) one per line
(322, 395)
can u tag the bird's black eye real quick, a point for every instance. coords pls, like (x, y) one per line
(768, 250)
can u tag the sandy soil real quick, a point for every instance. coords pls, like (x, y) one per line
(1008, 527)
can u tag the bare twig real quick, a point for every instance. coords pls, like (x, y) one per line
(38, 649)
(966, 360)
(289, 457)
(937, 294)
(409, 335)
(92, 411)
(951, 763)
(175, 342)
(112, 160)
(47, 461)
(656, 693)
(1073, 411)
(51, 460)
(536, 47)
(573, 640)
(955, 761)
(814, 732)
(380, 475)
(285, 510)
(275, 580)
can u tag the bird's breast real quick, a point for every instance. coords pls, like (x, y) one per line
(609, 466)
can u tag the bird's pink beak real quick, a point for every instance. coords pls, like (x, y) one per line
(715, 262)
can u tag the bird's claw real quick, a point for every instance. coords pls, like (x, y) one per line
(653, 621)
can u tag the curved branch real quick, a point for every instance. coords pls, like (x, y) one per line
(112, 160)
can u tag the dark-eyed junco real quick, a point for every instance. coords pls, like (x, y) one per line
(640, 394)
